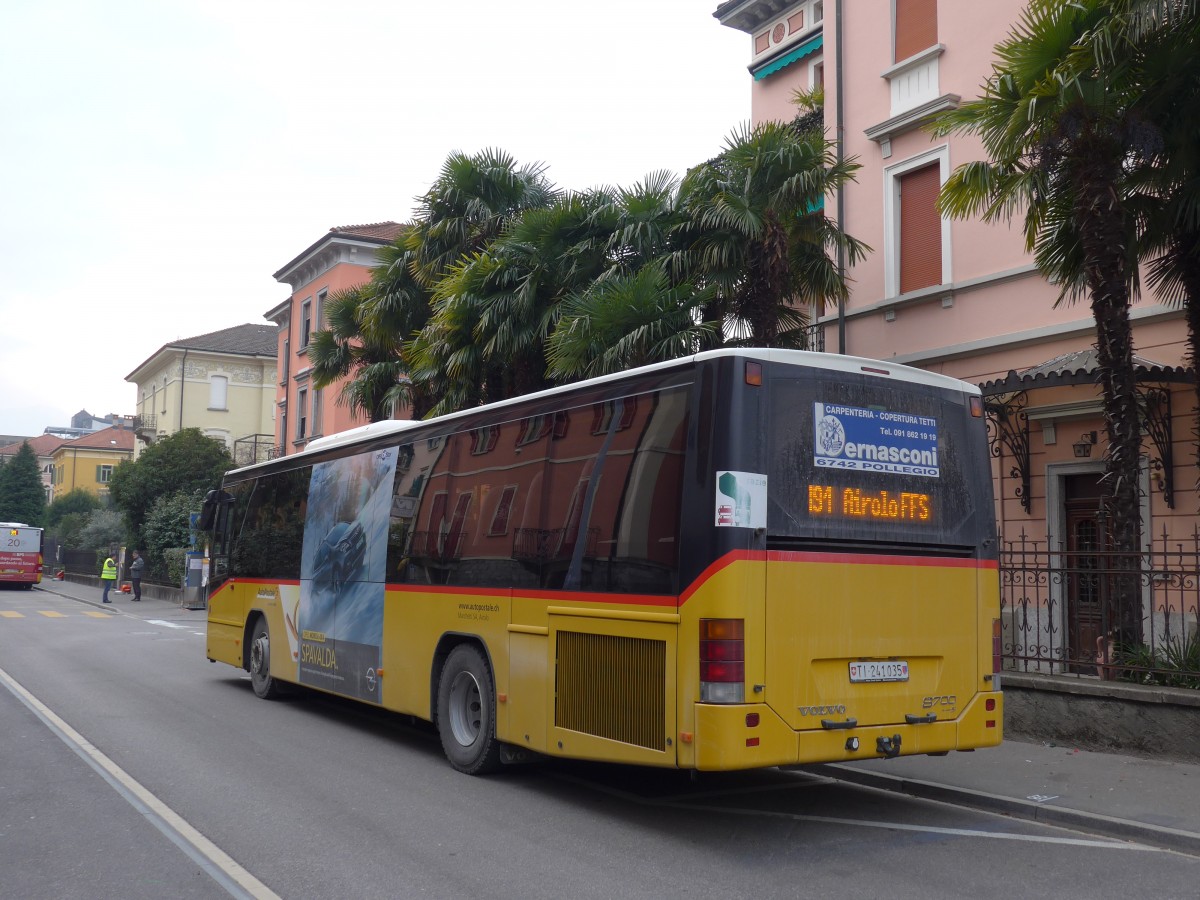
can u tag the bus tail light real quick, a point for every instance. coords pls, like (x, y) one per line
(976, 407)
(722, 661)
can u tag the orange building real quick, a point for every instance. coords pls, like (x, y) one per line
(341, 259)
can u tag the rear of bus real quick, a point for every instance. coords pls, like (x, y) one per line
(872, 536)
(20, 555)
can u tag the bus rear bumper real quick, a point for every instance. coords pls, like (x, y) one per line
(725, 739)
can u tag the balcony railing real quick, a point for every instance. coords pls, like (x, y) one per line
(254, 448)
(145, 427)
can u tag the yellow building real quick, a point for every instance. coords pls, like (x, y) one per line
(88, 462)
(222, 383)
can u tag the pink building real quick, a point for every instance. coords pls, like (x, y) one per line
(963, 297)
(341, 259)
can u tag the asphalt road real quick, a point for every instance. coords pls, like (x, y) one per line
(134, 768)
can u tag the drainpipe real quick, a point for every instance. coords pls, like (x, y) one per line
(182, 384)
(839, 48)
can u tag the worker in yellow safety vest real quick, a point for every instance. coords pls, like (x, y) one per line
(107, 576)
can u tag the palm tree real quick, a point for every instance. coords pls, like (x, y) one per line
(1058, 121)
(345, 349)
(644, 307)
(467, 207)
(627, 320)
(759, 234)
(1169, 188)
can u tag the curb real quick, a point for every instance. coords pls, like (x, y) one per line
(1091, 823)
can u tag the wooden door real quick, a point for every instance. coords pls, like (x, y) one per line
(1087, 564)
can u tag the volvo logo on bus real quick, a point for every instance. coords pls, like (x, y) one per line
(836, 710)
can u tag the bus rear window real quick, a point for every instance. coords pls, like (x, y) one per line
(860, 459)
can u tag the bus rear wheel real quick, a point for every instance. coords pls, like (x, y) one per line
(466, 712)
(261, 680)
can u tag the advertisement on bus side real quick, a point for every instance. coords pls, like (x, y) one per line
(342, 569)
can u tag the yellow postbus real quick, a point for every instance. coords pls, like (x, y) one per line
(739, 559)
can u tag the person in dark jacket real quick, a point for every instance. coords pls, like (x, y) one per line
(135, 574)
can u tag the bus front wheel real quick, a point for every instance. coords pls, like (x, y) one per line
(466, 712)
(264, 685)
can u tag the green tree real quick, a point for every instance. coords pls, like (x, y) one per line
(645, 306)
(167, 533)
(1169, 188)
(372, 359)
(470, 204)
(511, 291)
(759, 233)
(22, 495)
(102, 532)
(71, 503)
(67, 516)
(629, 320)
(185, 461)
(1060, 125)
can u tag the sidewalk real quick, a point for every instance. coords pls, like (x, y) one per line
(1149, 801)
(93, 596)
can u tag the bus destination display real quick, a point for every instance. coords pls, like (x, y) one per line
(855, 503)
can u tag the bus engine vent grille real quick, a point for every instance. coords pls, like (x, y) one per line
(612, 687)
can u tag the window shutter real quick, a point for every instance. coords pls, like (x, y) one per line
(98, 468)
(916, 27)
(920, 229)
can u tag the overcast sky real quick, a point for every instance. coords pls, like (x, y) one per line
(162, 158)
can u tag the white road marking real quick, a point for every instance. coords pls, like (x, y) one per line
(676, 803)
(166, 624)
(221, 867)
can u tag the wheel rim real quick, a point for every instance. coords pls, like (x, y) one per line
(260, 656)
(465, 709)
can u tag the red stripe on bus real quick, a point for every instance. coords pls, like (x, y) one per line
(870, 559)
(860, 559)
(734, 556)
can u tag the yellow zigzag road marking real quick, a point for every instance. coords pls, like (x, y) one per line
(9, 614)
(51, 614)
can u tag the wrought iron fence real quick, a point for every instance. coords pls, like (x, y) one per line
(814, 338)
(1102, 614)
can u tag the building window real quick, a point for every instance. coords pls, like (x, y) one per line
(218, 392)
(915, 28)
(917, 238)
(503, 513)
(219, 434)
(920, 229)
(316, 412)
(305, 323)
(103, 474)
(287, 363)
(483, 440)
(301, 414)
(320, 317)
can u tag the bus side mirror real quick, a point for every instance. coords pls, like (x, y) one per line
(212, 506)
